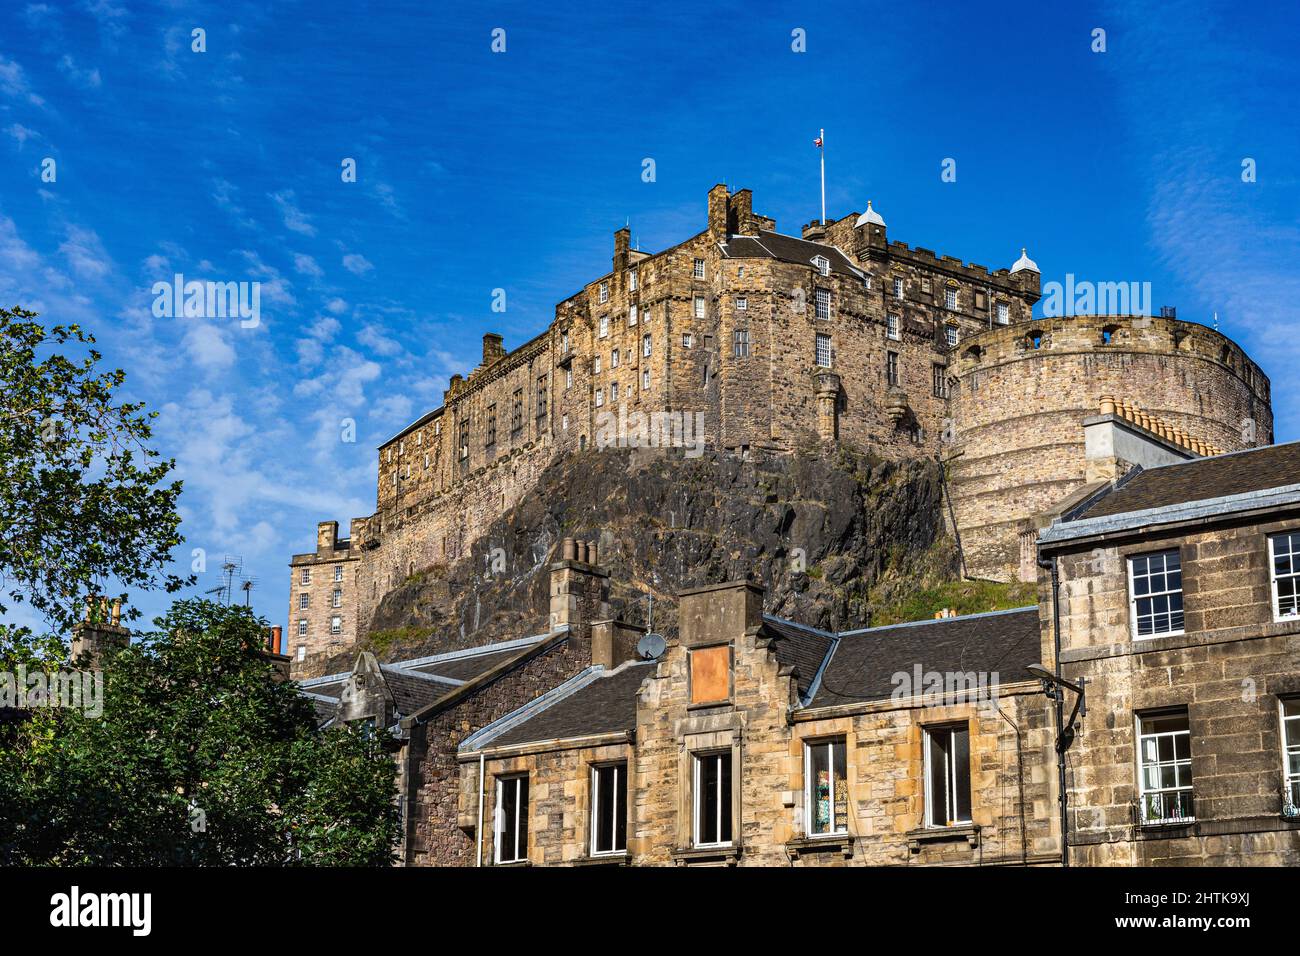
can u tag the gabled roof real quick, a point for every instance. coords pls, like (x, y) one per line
(863, 664)
(1235, 473)
(411, 690)
(798, 646)
(774, 245)
(594, 702)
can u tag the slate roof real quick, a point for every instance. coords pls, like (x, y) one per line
(802, 647)
(863, 663)
(465, 668)
(1236, 473)
(774, 245)
(411, 690)
(606, 705)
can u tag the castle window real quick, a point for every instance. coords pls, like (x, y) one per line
(631, 280)
(426, 461)
(1165, 768)
(950, 299)
(511, 819)
(823, 303)
(302, 648)
(699, 306)
(646, 345)
(742, 304)
(950, 335)
(302, 632)
(686, 340)
(568, 378)
(336, 599)
(609, 809)
(1291, 748)
(564, 343)
(823, 350)
(1004, 314)
(826, 798)
(604, 292)
(595, 364)
(517, 410)
(891, 368)
(491, 426)
(712, 792)
(541, 397)
(631, 315)
(613, 359)
(336, 625)
(866, 283)
(304, 601)
(305, 577)
(699, 269)
(419, 440)
(939, 383)
(1156, 594)
(604, 326)
(947, 776)
(1034, 340)
(1284, 554)
(898, 287)
(891, 327)
(338, 572)
(740, 343)
(822, 264)
(600, 397)
(564, 422)
(927, 285)
(645, 379)
(437, 428)
(613, 392)
(1108, 333)
(464, 438)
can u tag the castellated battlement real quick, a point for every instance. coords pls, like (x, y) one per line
(1022, 395)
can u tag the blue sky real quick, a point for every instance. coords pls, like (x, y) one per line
(479, 171)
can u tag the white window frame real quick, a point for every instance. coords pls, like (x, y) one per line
(950, 298)
(305, 577)
(1003, 313)
(645, 378)
(613, 391)
(697, 270)
(336, 598)
(822, 264)
(302, 628)
(1290, 725)
(613, 358)
(808, 748)
(820, 339)
(304, 600)
(950, 819)
(742, 305)
(647, 346)
(631, 280)
(1133, 597)
(699, 306)
(338, 573)
(604, 292)
(898, 287)
(631, 315)
(568, 379)
(697, 795)
(822, 303)
(620, 772)
(604, 326)
(595, 367)
(336, 624)
(499, 817)
(892, 325)
(686, 340)
(1138, 720)
(302, 651)
(600, 398)
(1273, 577)
(951, 336)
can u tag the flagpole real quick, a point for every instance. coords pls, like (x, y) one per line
(822, 150)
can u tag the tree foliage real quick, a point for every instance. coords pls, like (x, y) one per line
(84, 501)
(199, 758)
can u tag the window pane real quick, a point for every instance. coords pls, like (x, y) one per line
(841, 787)
(938, 802)
(725, 761)
(707, 799)
(961, 773)
(604, 809)
(620, 803)
(822, 785)
(509, 806)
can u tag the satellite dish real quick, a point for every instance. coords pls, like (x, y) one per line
(651, 647)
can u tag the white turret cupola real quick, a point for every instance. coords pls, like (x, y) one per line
(870, 216)
(1024, 262)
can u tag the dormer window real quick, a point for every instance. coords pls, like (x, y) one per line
(822, 264)
(604, 292)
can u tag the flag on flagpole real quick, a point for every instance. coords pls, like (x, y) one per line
(818, 142)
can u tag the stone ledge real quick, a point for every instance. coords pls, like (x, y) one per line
(726, 855)
(970, 832)
(841, 843)
(1244, 632)
(608, 859)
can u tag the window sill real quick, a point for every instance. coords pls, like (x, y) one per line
(726, 855)
(970, 832)
(514, 863)
(835, 843)
(605, 859)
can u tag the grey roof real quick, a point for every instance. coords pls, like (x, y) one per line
(804, 648)
(411, 690)
(606, 703)
(864, 663)
(1235, 473)
(461, 669)
(774, 245)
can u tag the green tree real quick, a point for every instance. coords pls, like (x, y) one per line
(199, 758)
(84, 501)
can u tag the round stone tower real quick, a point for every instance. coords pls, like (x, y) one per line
(1023, 393)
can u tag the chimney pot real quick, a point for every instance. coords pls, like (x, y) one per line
(592, 553)
(569, 550)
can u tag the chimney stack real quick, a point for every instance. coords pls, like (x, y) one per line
(493, 347)
(100, 630)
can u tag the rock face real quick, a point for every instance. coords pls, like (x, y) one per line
(828, 536)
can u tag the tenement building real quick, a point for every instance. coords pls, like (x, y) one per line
(748, 338)
(1169, 598)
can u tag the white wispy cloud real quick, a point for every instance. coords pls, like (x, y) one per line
(357, 264)
(294, 218)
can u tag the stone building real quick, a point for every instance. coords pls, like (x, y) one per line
(1178, 607)
(322, 596)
